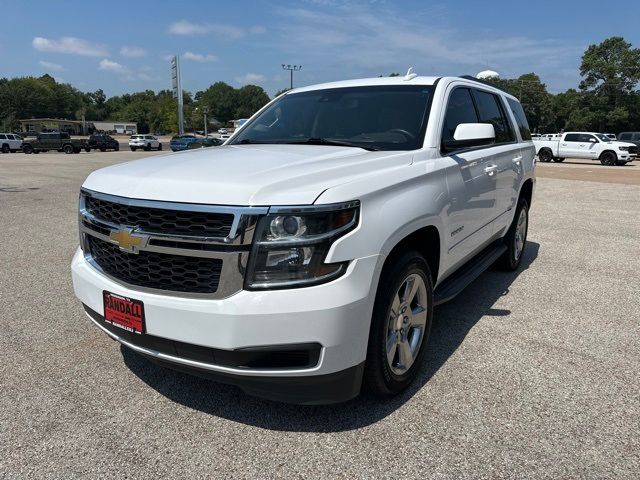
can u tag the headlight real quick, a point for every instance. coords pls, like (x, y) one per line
(624, 149)
(291, 244)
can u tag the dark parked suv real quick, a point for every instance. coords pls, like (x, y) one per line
(103, 142)
(631, 137)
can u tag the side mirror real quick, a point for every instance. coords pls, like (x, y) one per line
(592, 140)
(469, 135)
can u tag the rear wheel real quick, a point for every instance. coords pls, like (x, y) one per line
(400, 325)
(545, 155)
(87, 149)
(608, 158)
(6, 148)
(147, 147)
(77, 150)
(133, 149)
(103, 148)
(28, 149)
(68, 149)
(516, 238)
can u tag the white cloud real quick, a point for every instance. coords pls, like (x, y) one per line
(54, 67)
(70, 45)
(199, 57)
(231, 32)
(355, 40)
(133, 52)
(115, 67)
(250, 78)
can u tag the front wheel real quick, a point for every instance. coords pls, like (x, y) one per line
(608, 158)
(516, 238)
(147, 147)
(133, 149)
(68, 149)
(400, 325)
(545, 156)
(87, 149)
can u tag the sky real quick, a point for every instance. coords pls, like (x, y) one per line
(126, 47)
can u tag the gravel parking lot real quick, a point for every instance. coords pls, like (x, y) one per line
(531, 374)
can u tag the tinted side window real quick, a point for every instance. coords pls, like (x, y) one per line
(64, 136)
(572, 137)
(460, 109)
(625, 136)
(491, 112)
(3, 137)
(521, 119)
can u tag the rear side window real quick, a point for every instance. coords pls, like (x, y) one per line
(572, 137)
(491, 112)
(460, 109)
(521, 118)
(3, 137)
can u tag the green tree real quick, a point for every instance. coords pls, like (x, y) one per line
(250, 99)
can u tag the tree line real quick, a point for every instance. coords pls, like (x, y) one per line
(606, 100)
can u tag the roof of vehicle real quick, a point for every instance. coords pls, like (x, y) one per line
(399, 80)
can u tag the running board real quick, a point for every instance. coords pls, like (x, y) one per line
(457, 282)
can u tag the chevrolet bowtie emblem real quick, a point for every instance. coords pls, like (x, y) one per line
(129, 241)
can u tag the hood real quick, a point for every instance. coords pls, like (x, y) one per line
(243, 174)
(618, 143)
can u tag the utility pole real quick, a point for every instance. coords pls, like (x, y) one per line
(176, 82)
(205, 110)
(291, 68)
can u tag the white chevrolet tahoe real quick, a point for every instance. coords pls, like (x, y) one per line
(586, 145)
(301, 261)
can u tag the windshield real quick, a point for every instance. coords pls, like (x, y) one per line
(603, 137)
(376, 118)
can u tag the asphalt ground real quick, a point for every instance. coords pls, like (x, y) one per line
(533, 374)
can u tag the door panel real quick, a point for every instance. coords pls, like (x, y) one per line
(473, 192)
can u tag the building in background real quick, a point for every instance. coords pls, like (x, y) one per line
(75, 127)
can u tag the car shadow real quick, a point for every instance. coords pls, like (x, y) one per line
(452, 323)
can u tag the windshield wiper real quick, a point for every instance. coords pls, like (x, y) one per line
(336, 143)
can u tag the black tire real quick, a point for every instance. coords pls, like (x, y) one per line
(38, 151)
(558, 160)
(545, 155)
(379, 378)
(117, 148)
(68, 149)
(159, 146)
(28, 149)
(133, 149)
(147, 147)
(512, 258)
(87, 149)
(77, 150)
(6, 148)
(103, 148)
(621, 163)
(608, 158)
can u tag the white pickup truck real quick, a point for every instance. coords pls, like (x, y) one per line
(588, 145)
(302, 259)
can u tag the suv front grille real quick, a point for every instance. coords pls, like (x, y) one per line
(633, 150)
(177, 273)
(160, 220)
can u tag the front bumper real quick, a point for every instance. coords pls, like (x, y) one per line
(335, 315)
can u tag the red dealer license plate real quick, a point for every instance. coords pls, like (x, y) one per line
(123, 312)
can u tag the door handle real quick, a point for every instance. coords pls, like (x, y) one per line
(491, 169)
(517, 160)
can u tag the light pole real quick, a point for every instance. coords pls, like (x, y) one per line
(291, 68)
(205, 110)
